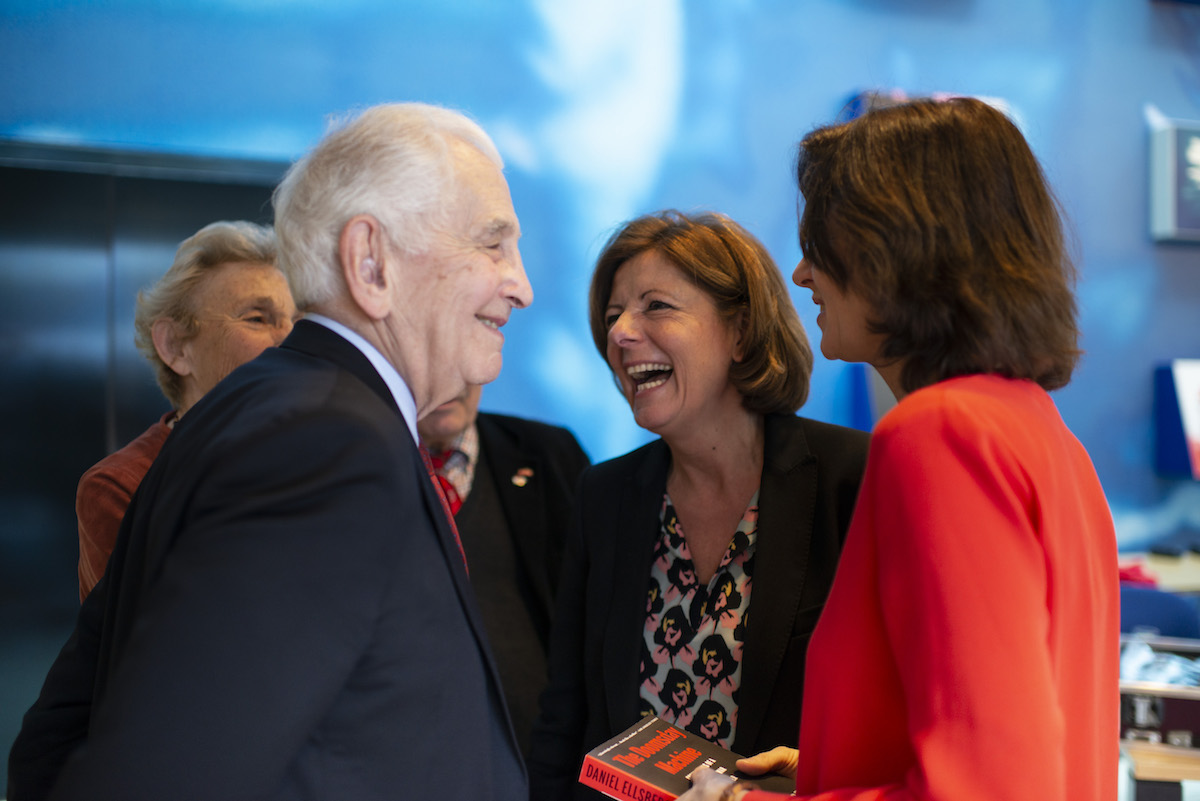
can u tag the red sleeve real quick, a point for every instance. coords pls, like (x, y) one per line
(100, 503)
(103, 497)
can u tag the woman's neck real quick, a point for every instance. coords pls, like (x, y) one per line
(726, 454)
(892, 375)
(713, 477)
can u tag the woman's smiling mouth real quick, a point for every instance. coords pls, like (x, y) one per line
(648, 376)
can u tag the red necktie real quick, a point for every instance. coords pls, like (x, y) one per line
(438, 460)
(444, 487)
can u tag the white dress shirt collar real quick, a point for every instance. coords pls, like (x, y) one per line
(395, 382)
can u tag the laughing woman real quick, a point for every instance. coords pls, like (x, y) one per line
(699, 563)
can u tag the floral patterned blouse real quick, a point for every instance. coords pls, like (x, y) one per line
(691, 665)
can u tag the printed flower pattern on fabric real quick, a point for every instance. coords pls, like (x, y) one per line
(691, 655)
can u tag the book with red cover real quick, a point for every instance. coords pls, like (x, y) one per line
(654, 760)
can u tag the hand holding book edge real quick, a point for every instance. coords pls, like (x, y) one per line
(709, 785)
(780, 759)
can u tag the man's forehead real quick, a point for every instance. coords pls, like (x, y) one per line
(483, 194)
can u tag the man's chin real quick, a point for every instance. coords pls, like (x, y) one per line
(488, 372)
(448, 407)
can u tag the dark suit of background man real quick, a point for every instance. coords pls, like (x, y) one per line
(287, 614)
(511, 486)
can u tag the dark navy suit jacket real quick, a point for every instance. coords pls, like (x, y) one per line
(286, 614)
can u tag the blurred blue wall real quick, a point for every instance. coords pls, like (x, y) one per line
(606, 110)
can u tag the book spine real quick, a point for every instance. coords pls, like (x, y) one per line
(618, 784)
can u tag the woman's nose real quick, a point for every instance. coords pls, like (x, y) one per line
(802, 275)
(622, 331)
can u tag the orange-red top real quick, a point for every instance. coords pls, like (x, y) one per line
(969, 646)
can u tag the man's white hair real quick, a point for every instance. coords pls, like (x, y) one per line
(394, 162)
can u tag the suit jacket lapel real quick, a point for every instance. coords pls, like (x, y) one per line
(317, 340)
(631, 552)
(524, 505)
(321, 342)
(462, 584)
(786, 505)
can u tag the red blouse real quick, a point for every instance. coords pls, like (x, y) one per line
(969, 646)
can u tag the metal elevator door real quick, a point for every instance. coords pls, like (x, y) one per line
(75, 248)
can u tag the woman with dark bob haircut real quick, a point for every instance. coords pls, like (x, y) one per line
(969, 646)
(693, 317)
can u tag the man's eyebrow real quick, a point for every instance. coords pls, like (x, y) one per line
(500, 226)
(264, 302)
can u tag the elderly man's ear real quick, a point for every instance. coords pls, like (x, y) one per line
(363, 257)
(171, 345)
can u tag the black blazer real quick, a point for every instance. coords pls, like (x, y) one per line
(514, 528)
(811, 474)
(285, 614)
(539, 511)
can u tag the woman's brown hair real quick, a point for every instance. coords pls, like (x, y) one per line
(738, 273)
(938, 215)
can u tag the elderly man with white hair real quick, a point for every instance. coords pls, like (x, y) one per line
(287, 614)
